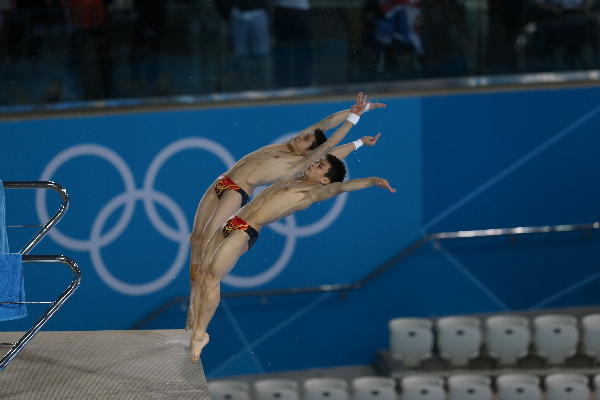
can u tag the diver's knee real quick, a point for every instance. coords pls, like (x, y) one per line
(211, 282)
(196, 238)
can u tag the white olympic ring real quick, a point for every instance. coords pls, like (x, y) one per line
(149, 196)
(162, 281)
(87, 150)
(162, 157)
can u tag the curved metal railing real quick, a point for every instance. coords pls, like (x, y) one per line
(52, 221)
(75, 282)
(344, 287)
(58, 303)
(414, 246)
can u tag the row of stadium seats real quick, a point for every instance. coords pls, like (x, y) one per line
(507, 338)
(510, 386)
(362, 388)
(513, 386)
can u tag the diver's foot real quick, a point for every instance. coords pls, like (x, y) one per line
(196, 346)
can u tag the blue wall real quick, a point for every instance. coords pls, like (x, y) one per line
(459, 162)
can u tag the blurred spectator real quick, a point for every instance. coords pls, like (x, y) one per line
(28, 28)
(393, 31)
(90, 58)
(565, 27)
(504, 24)
(224, 8)
(443, 34)
(370, 12)
(292, 55)
(251, 43)
(27, 23)
(402, 22)
(149, 27)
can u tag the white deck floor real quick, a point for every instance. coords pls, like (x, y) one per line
(140, 364)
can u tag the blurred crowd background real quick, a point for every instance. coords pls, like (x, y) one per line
(60, 51)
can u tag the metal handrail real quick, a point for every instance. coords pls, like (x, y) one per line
(75, 282)
(343, 287)
(414, 246)
(53, 220)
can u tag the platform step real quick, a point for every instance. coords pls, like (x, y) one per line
(140, 364)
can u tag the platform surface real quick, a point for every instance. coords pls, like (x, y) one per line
(142, 364)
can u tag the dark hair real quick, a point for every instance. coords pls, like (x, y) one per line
(320, 138)
(337, 170)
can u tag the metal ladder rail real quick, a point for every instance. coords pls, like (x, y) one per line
(52, 221)
(344, 287)
(76, 280)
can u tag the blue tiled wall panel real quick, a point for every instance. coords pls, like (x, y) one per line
(459, 162)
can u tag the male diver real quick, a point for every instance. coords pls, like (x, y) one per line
(264, 166)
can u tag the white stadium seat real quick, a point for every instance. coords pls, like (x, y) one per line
(567, 386)
(591, 336)
(374, 388)
(229, 390)
(459, 339)
(430, 380)
(326, 389)
(411, 340)
(469, 379)
(518, 386)
(597, 386)
(469, 387)
(556, 337)
(472, 392)
(508, 338)
(423, 387)
(276, 389)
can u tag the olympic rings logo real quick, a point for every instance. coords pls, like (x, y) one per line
(150, 197)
